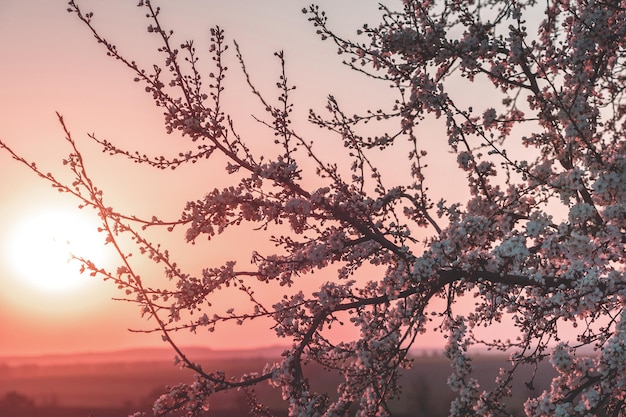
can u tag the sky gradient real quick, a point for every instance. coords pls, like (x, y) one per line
(52, 64)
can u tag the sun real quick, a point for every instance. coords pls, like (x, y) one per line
(41, 247)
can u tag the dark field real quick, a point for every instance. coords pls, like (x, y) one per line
(112, 385)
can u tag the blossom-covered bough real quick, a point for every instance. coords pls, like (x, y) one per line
(539, 243)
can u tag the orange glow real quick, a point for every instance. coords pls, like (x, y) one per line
(43, 248)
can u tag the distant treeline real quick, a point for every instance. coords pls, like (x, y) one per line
(116, 390)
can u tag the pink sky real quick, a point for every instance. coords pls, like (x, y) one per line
(51, 63)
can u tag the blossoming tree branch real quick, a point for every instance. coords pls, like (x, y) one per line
(538, 243)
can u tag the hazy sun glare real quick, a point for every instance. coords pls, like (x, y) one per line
(41, 247)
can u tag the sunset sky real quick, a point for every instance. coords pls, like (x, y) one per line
(51, 63)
